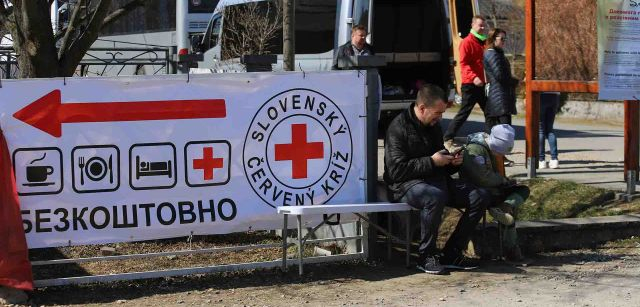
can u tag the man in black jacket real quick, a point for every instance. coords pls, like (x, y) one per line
(357, 46)
(417, 171)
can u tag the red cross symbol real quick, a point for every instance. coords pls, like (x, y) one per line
(208, 163)
(299, 151)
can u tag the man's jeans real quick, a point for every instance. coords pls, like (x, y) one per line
(431, 197)
(471, 95)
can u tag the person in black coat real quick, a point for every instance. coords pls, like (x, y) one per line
(357, 46)
(501, 96)
(417, 171)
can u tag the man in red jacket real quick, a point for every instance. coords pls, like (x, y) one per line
(471, 54)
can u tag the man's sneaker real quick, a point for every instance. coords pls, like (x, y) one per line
(554, 163)
(501, 216)
(459, 263)
(542, 164)
(431, 265)
(508, 163)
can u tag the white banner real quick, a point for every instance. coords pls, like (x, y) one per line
(102, 160)
(619, 49)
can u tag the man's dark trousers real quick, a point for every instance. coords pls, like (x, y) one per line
(470, 95)
(431, 196)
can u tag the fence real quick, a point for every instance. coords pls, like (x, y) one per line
(107, 62)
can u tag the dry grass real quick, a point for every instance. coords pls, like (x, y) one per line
(552, 199)
(159, 263)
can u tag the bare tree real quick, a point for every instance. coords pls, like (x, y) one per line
(43, 53)
(566, 40)
(289, 35)
(509, 16)
(251, 29)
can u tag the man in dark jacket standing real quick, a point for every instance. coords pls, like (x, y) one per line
(472, 71)
(357, 46)
(417, 171)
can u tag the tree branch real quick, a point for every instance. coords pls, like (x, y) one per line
(71, 28)
(121, 11)
(5, 13)
(80, 45)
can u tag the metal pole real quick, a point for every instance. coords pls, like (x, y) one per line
(300, 247)
(371, 173)
(172, 61)
(182, 24)
(167, 58)
(373, 111)
(359, 244)
(390, 230)
(631, 184)
(631, 137)
(532, 98)
(285, 234)
(408, 238)
(8, 66)
(182, 32)
(289, 34)
(54, 16)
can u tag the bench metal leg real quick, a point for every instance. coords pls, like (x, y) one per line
(300, 247)
(500, 228)
(407, 239)
(285, 233)
(389, 239)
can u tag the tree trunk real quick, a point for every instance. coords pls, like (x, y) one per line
(34, 38)
(288, 34)
(29, 22)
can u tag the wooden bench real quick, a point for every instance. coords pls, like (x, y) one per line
(357, 209)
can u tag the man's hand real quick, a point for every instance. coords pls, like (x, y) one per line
(477, 82)
(441, 159)
(457, 159)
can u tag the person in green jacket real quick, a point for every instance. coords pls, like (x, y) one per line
(480, 168)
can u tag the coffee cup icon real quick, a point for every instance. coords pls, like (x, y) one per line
(38, 173)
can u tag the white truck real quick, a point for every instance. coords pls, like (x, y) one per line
(415, 37)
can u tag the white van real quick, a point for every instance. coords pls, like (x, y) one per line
(413, 35)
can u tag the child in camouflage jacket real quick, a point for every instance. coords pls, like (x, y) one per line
(480, 168)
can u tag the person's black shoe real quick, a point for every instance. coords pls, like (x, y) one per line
(459, 263)
(431, 265)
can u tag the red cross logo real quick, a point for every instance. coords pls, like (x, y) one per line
(299, 151)
(208, 163)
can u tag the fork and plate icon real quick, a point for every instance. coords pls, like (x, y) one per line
(95, 168)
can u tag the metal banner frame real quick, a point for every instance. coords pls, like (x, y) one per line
(362, 236)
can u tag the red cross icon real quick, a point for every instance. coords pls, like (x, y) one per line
(299, 151)
(208, 163)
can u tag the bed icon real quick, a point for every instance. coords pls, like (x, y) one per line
(152, 166)
(146, 168)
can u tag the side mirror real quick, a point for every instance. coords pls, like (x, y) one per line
(196, 43)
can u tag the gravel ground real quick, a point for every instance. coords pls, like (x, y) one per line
(602, 277)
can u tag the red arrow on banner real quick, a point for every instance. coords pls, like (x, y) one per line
(49, 113)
